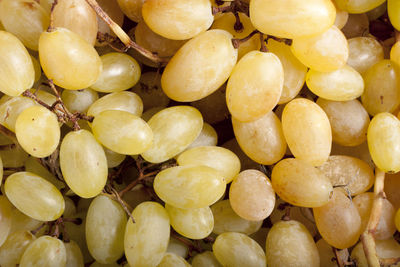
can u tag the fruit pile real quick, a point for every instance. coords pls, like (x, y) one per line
(238, 133)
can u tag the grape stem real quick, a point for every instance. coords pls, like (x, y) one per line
(51, 24)
(337, 257)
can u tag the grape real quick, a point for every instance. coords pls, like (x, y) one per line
(113, 158)
(14, 157)
(132, 9)
(114, 11)
(189, 187)
(172, 260)
(258, 204)
(219, 158)
(177, 247)
(292, 19)
(207, 137)
(255, 86)
(45, 251)
(177, 19)
(364, 52)
(5, 219)
(11, 108)
(105, 229)
(83, 163)
(33, 165)
(300, 184)
(385, 249)
(245, 161)
(395, 53)
(326, 254)
(37, 68)
(290, 244)
(341, 18)
(70, 208)
(74, 255)
(16, 69)
(146, 240)
(357, 25)
(397, 219)
(205, 259)
(212, 51)
(236, 249)
(20, 221)
(356, 6)
(120, 72)
(46, 4)
(68, 60)
(79, 101)
(11, 251)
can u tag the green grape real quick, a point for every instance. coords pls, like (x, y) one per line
(74, 254)
(191, 223)
(14, 157)
(16, 69)
(178, 248)
(11, 108)
(132, 9)
(83, 163)
(219, 158)
(26, 19)
(68, 59)
(34, 196)
(46, 97)
(11, 251)
(236, 249)
(172, 260)
(385, 249)
(212, 51)
(70, 208)
(113, 158)
(341, 18)
(79, 101)
(98, 264)
(364, 52)
(174, 129)
(33, 165)
(205, 259)
(146, 240)
(358, 6)
(5, 219)
(207, 137)
(37, 68)
(45, 251)
(22, 222)
(326, 254)
(105, 228)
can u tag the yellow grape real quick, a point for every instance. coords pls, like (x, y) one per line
(364, 52)
(393, 8)
(212, 51)
(349, 121)
(207, 137)
(5, 219)
(385, 249)
(26, 19)
(11, 107)
(33, 165)
(1, 170)
(114, 11)
(146, 239)
(356, 175)
(294, 70)
(358, 6)
(105, 229)
(174, 129)
(20, 221)
(300, 184)
(343, 84)
(339, 215)
(78, 17)
(219, 158)
(74, 254)
(395, 53)
(46, 251)
(384, 142)
(326, 254)
(290, 244)
(13, 157)
(34, 196)
(245, 161)
(191, 223)
(83, 163)
(80, 100)
(262, 140)
(172, 260)
(381, 92)
(324, 52)
(70, 208)
(132, 9)
(46, 4)
(357, 25)
(292, 19)
(205, 259)
(236, 249)
(113, 158)
(46, 97)
(37, 131)
(68, 59)
(37, 68)
(120, 72)
(377, 12)
(177, 19)
(123, 101)
(397, 219)
(11, 251)
(16, 69)
(177, 247)
(188, 187)
(255, 86)
(226, 220)
(307, 131)
(360, 152)
(341, 18)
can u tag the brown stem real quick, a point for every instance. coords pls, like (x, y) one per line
(286, 216)
(29, 94)
(124, 205)
(337, 257)
(136, 182)
(187, 242)
(51, 24)
(35, 231)
(389, 261)
(221, 9)
(237, 42)
(7, 147)
(262, 42)
(238, 26)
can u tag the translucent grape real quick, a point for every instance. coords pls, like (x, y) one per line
(245, 161)
(70, 208)
(357, 25)
(395, 53)
(11, 108)
(5, 219)
(45, 251)
(364, 52)
(37, 68)
(172, 260)
(11, 251)
(132, 9)
(14, 157)
(341, 18)
(356, 6)
(207, 137)
(385, 249)
(20, 221)
(205, 259)
(80, 100)
(177, 247)
(33, 165)
(74, 254)
(113, 158)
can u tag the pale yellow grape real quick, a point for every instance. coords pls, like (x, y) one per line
(292, 19)
(395, 53)
(364, 52)
(26, 19)
(219, 158)
(251, 195)
(214, 54)
(236, 249)
(70, 208)
(397, 220)
(205, 259)
(393, 9)
(120, 72)
(262, 140)
(113, 158)
(360, 151)
(326, 254)
(245, 161)
(381, 92)
(45, 251)
(384, 142)
(105, 229)
(146, 240)
(46, 97)
(74, 254)
(68, 59)
(356, 175)
(149, 90)
(80, 100)
(122, 132)
(339, 215)
(37, 68)
(114, 11)
(294, 71)
(341, 18)
(132, 9)
(385, 249)
(77, 16)
(174, 129)
(207, 137)
(11, 108)
(97, 264)
(124, 101)
(177, 247)
(5, 219)
(348, 119)
(357, 25)
(83, 163)
(20, 221)
(16, 69)
(37, 131)
(358, 6)
(177, 19)
(307, 131)
(33, 165)
(172, 260)
(377, 11)
(226, 220)
(189, 187)
(324, 52)
(386, 225)
(11, 251)
(14, 157)
(191, 223)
